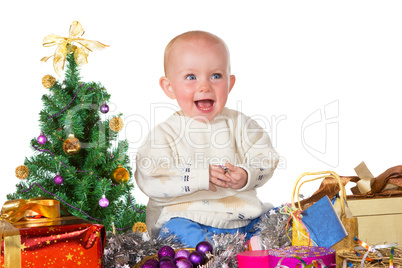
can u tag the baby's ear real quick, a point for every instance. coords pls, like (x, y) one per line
(232, 82)
(166, 86)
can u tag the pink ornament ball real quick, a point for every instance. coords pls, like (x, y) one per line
(166, 251)
(58, 180)
(204, 247)
(151, 263)
(197, 258)
(184, 263)
(182, 253)
(42, 139)
(103, 202)
(178, 259)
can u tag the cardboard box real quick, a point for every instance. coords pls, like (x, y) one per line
(60, 242)
(379, 219)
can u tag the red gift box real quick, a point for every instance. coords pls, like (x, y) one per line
(60, 242)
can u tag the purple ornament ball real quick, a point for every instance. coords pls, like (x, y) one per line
(42, 139)
(104, 108)
(204, 247)
(167, 265)
(165, 259)
(58, 180)
(151, 263)
(184, 263)
(166, 251)
(197, 258)
(103, 202)
(182, 253)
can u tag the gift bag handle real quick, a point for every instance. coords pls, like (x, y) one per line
(321, 174)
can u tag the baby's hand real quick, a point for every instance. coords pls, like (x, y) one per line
(238, 176)
(217, 177)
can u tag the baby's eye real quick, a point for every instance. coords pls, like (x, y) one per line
(190, 77)
(216, 76)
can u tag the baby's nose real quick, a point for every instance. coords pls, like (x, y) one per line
(204, 86)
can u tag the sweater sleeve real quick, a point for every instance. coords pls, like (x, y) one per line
(259, 157)
(162, 175)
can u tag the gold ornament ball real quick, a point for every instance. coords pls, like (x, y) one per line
(48, 81)
(120, 174)
(22, 172)
(116, 124)
(71, 145)
(139, 227)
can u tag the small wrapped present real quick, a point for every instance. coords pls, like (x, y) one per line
(301, 256)
(30, 240)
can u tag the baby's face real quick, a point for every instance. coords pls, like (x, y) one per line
(199, 76)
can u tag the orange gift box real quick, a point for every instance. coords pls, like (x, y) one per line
(58, 242)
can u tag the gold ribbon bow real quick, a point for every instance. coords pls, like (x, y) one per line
(65, 45)
(15, 210)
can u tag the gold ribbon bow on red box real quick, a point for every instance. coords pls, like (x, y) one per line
(15, 210)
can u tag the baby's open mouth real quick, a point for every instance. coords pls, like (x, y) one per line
(204, 105)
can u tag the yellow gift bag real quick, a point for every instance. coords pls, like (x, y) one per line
(300, 235)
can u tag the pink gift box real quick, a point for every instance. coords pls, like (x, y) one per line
(253, 259)
(289, 257)
(301, 255)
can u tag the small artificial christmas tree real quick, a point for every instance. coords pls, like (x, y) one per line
(78, 158)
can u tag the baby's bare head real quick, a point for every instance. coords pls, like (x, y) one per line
(191, 36)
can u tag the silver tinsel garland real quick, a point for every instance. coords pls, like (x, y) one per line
(226, 247)
(126, 249)
(273, 230)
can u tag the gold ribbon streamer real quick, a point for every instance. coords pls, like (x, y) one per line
(65, 45)
(15, 210)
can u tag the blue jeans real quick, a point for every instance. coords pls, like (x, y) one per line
(191, 233)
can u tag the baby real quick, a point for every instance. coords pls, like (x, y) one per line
(202, 166)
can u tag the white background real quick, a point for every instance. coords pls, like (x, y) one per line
(323, 77)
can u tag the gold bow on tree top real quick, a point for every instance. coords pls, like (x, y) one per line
(65, 45)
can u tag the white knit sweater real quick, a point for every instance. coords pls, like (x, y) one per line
(173, 169)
